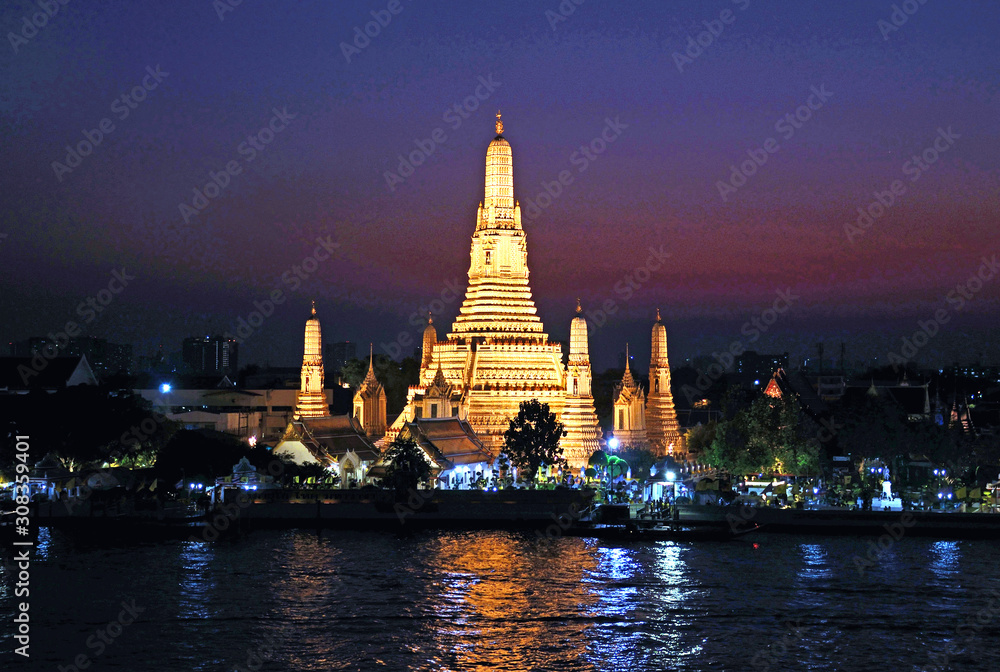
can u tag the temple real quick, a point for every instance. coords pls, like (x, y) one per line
(648, 421)
(369, 403)
(661, 417)
(629, 402)
(497, 353)
(311, 399)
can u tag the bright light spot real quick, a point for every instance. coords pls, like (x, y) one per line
(671, 476)
(613, 443)
(756, 382)
(252, 440)
(165, 388)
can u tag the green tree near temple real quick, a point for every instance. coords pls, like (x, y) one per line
(406, 466)
(764, 438)
(532, 439)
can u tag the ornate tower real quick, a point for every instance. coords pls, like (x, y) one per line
(498, 302)
(583, 433)
(664, 431)
(430, 338)
(369, 403)
(311, 399)
(497, 353)
(629, 410)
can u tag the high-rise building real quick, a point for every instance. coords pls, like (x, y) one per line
(211, 355)
(338, 354)
(106, 359)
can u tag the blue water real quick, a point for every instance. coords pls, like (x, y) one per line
(298, 600)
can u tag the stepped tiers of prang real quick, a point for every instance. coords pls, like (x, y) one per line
(497, 353)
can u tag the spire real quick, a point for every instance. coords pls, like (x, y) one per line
(499, 124)
(658, 315)
(430, 318)
(370, 382)
(627, 379)
(579, 308)
(314, 307)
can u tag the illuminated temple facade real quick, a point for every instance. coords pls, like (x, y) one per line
(497, 353)
(648, 421)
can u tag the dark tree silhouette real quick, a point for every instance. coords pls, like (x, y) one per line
(406, 466)
(533, 439)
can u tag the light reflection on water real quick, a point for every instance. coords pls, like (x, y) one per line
(505, 601)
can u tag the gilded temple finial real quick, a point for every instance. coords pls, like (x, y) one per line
(657, 314)
(499, 124)
(430, 318)
(314, 307)
(579, 308)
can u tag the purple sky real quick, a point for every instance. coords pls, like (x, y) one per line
(557, 82)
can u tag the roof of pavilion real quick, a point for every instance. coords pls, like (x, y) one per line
(332, 437)
(450, 442)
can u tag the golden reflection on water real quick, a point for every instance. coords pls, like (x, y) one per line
(504, 603)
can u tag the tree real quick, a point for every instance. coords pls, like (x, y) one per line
(532, 439)
(640, 459)
(763, 438)
(406, 466)
(698, 439)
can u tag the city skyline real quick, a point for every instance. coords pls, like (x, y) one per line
(626, 139)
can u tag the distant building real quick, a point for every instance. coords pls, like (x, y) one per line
(20, 375)
(754, 369)
(105, 359)
(338, 354)
(210, 355)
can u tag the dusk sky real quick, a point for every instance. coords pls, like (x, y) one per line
(679, 123)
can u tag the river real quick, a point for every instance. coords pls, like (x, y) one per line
(346, 600)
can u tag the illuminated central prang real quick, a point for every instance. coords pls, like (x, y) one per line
(497, 353)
